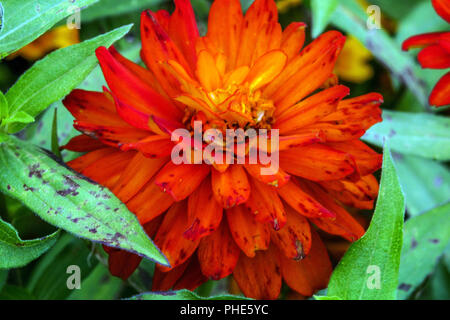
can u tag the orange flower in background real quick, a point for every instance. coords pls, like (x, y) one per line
(215, 220)
(435, 54)
(57, 38)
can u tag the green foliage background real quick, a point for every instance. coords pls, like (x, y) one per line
(36, 248)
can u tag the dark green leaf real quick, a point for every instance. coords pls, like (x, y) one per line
(425, 239)
(56, 75)
(182, 295)
(15, 252)
(24, 21)
(99, 285)
(419, 134)
(70, 201)
(369, 269)
(11, 292)
(3, 278)
(55, 144)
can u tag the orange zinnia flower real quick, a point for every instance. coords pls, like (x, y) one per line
(435, 54)
(212, 221)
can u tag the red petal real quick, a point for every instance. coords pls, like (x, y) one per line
(442, 7)
(441, 92)
(83, 143)
(183, 29)
(434, 57)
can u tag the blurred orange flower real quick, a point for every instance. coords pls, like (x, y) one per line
(215, 220)
(59, 37)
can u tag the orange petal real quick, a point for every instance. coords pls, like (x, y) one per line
(169, 237)
(207, 72)
(108, 169)
(165, 280)
(80, 163)
(183, 29)
(260, 21)
(259, 277)
(249, 234)
(306, 72)
(266, 68)
(122, 263)
(204, 212)
(138, 172)
(131, 90)
(367, 160)
(343, 225)
(192, 278)
(111, 136)
(359, 194)
(83, 143)
(301, 202)
(265, 204)
(434, 57)
(293, 39)
(181, 180)
(442, 7)
(311, 110)
(152, 147)
(218, 253)
(231, 187)
(277, 179)
(440, 96)
(150, 202)
(317, 162)
(310, 274)
(145, 75)
(294, 239)
(93, 107)
(226, 15)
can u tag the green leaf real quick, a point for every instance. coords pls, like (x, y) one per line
(322, 11)
(107, 8)
(99, 285)
(182, 295)
(327, 298)
(425, 240)
(369, 269)
(3, 278)
(70, 201)
(3, 107)
(51, 78)
(419, 134)
(425, 182)
(24, 21)
(11, 292)
(16, 252)
(19, 117)
(436, 287)
(55, 144)
(350, 17)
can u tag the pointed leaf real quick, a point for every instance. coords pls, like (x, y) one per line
(69, 200)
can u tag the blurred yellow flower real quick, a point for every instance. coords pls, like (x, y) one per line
(352, 64)
(284, 5)
(56, 38)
